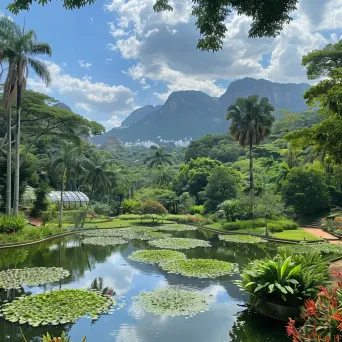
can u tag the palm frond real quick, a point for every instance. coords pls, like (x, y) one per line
(41, 69)
(41, 49)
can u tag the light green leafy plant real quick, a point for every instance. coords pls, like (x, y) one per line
(172, 301)
(15, 278)
(151, 256)
(104, 241)
(179, 243)
(200, 268)
(57, 307)
(176, 228)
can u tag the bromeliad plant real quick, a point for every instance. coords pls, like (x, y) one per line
(323, 318)
(285, 279)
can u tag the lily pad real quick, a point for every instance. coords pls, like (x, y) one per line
(104, 241)
(200, 268)
(176, 228)
(57, 307)
(172, 301)
(179, 243)
(15, 278)
(151, 256)
(242, 239)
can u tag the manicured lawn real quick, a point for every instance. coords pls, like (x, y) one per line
(298, 234)
(216, 225)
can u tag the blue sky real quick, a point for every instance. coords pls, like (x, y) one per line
(116, 55)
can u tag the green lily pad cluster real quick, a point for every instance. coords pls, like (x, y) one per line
(242, 239)
(179, 243)
(15, 278)
(58, 307)
(176, 228)
(104, 241)
(172, 301)
(130, 233)
(200, 268)
(308, 248)
(151, 256)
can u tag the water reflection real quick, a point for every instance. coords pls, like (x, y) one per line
(109, 269)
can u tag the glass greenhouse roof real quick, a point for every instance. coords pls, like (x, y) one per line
(70, 198)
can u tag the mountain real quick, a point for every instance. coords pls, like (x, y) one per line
(62, 106)
(138, 115)
(113, 145)
(191, 114)
(281, 95)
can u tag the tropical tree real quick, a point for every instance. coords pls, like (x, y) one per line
(20, 50)
(163, 176)
(7, 29)
(211, 16)
(251, 124)
(159, 157)
(98, 175)
(230, 208)
(67, 158)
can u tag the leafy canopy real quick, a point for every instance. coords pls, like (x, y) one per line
(268, 16)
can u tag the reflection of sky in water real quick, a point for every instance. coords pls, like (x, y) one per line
(130, 323)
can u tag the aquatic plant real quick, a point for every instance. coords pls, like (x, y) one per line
(242, 239)
(306, 248)
(173, 301)
(151, 256)
(176, 228)
(104, 241)
(179, 243)
(57, 307)
(15, 278)
(200, 268)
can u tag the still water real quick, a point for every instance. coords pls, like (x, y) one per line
(109, 267)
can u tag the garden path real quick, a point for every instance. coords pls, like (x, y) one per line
(322, 234)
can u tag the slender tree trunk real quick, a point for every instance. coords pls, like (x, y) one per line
(17, 154)
(90, 198)
(9, 165)
(60, 220)
(266, 224)
(251, 179)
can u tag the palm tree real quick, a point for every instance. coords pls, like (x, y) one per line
(252, 121)
(66, 158)
(158, 157)
(98, 174)
(163, 176)
(18, 51)
(7, 29)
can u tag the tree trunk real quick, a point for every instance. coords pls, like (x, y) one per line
(60, 220)
(266, 224)
(9, 165)
(251, 179)
(17, 154)
(90, 198)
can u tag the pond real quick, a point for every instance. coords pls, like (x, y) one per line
(100, 267)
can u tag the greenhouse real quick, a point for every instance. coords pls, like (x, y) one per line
(71, 199)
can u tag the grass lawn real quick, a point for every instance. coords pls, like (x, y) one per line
(255, 231)
(297, 234)
(216, 225)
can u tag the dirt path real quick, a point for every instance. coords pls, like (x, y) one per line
(320, 233)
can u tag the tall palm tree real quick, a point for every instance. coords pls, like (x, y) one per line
(163, 176)
(66, 158)
(19, 51)
(251, 124)
(98, 175)
(7, 29)
(158, 158)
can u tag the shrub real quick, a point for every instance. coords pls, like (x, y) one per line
(274, 228)
(197, 209)
(50, 214)
(73, 216)
(322, 318)
(153, 207)
(130, 206)
(284, 279)
(11, 224)
(214, 217)
(130, 217)
(101, 209)
(245, 224)
(194, 219)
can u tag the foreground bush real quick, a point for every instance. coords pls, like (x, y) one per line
(323, 319)
(152, 207)
(285, 280)
(11, 224)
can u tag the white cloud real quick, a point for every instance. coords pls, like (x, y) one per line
(163, 45)
(97, 99)
(84, 64)
(64, 64)
(91, 20)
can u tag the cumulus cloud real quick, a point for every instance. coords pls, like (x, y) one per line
(162, 46)
(84, 64)
(98, 100)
